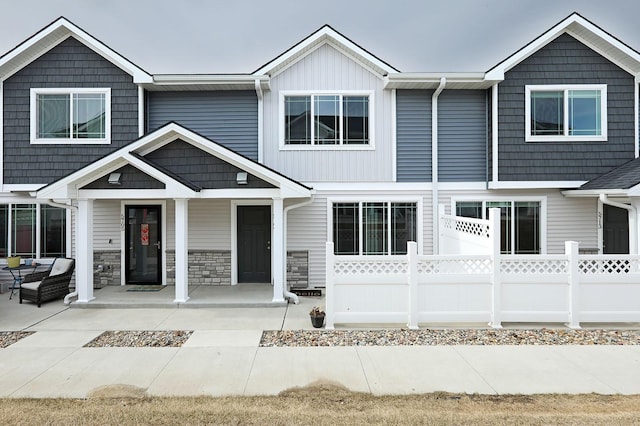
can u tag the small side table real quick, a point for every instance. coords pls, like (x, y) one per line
(16, 273)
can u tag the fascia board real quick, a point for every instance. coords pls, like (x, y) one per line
(497, 72)
(324, 34)
(121, 194)
(241, 81)
(245, 193)
(634, 191)
(139, 75)
(595, 192)
(535, 184)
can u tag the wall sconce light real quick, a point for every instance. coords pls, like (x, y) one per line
(242, 178)
(114, 179)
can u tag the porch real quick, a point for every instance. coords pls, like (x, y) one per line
(200, 296)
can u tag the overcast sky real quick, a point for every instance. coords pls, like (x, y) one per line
(238, 36)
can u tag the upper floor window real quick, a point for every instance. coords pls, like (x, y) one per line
(566, 113)
(70, 116)
(327, 120)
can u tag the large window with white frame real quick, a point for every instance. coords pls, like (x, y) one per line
(326, 120)
(60, 116)
(520, 223)
(33, 231)
(374, 228)
(566, 113)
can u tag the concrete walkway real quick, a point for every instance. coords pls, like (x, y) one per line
(222, 357)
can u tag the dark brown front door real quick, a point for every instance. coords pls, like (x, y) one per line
(143, 261)
(254, 244)
(615, 230)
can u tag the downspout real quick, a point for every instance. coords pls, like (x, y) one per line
(74, 293)
(633, 246)
(434, 162)
(285, 291)
(260, 96)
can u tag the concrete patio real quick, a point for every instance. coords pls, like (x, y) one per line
(223, 356)
(237, 296)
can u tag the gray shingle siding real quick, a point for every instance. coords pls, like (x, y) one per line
(68, 65)
(201, 168)
(227, 117)
(413, 135)
(131, 178)
(564, 61)
(462, 136)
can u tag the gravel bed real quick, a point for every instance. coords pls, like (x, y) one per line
(10, 337)
(140, 339)
(428, 337)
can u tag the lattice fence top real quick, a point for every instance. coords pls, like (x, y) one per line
(465, 225)
(608, 266)
(455, 266)
(530, 266)
(375, 267)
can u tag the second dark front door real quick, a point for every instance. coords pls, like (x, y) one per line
(254, 244)
(143, 261)
(615, 230)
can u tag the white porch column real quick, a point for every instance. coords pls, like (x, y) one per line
(634, 227)
(84, 251)
(278, 265)
(182, 250)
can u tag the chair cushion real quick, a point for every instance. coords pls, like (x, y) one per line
(31, 286)
(60, 266)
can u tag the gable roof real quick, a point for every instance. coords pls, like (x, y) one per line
(176, 186)
(56, 32)
(582, 30)
(625, 176)
(325, 35)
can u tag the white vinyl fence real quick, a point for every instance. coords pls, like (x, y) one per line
(493, 288)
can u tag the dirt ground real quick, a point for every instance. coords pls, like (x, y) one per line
(322, 404)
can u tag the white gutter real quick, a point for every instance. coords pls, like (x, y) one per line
(285, 292)
(636, 101)
(260, 96)
(633, 244)
(74, 293)
(434, 161)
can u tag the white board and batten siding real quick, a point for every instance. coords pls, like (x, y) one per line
(567, 219)
(328, 70)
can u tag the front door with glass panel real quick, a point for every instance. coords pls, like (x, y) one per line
(143, 261)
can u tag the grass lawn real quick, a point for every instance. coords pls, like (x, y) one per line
(323, 404)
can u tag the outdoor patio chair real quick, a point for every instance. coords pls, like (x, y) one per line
(48, 285)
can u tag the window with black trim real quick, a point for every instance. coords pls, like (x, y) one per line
(519, 223)
(20, 234)
(370, 228)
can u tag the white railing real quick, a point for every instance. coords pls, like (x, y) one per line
(413, 289)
